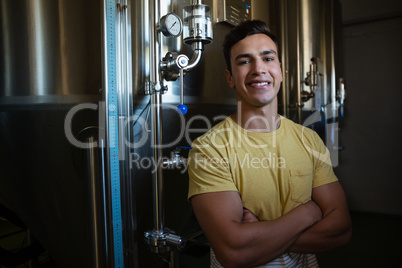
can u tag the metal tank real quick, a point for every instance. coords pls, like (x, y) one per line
(50, 51)
(50, 61)
(313, 91)
(55, 85)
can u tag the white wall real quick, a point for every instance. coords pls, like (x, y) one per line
(371, 165)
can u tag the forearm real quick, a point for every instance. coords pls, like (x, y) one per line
(254, 244)
(332, 232)
(263, 242)
(335, 228)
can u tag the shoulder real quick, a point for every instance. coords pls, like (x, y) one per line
(298, 129)
(214, 143)
(303, 135)
(217, 134)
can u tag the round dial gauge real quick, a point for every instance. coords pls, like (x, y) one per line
(171, 25)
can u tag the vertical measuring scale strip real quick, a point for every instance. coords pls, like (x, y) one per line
(113, 142)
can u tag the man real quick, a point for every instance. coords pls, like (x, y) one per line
(261, 186)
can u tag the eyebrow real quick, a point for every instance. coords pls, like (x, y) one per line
(248, 55)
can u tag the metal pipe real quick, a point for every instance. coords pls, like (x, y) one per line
(157, 183)
(299, 80)
(125, 110)
(93, 193)
(108, 219)
(332, 45)
(198, 48)
(155, 46)
(103, 201)
(284, 59)
(156, 113)
(181, 86)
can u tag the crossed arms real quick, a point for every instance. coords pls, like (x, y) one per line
(319, 225)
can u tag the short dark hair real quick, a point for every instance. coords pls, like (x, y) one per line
(243, 30)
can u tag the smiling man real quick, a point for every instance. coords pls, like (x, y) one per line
(260, 192)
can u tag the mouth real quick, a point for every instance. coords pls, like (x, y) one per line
(259, 84)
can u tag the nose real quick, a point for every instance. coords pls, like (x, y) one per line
(258, 67)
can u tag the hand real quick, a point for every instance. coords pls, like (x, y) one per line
(248, 216)
(314, 210)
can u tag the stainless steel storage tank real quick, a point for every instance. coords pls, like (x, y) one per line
(50, 48)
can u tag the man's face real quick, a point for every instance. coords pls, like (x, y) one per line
(256, 71)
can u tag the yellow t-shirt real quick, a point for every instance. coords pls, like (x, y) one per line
(273, 172)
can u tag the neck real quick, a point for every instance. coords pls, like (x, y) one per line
(257, 119)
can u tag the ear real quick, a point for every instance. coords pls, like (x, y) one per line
(229, 79)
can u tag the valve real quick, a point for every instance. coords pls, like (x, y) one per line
(197, 32)
(182, 108)
(310, 80)
(176, 159)
(171, 65)
(160, 242)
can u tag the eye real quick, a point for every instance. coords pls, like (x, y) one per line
(243, 62)
(269, 59)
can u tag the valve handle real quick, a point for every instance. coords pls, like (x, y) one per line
(182, 108)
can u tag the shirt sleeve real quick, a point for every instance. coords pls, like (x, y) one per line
(209, 170)
(323, 169)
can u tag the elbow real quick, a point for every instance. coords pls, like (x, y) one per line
(344, 238)
(230, 252)
(347, 237)
(347, 234)
(233, 255)
(237, 258)
(344, 234)
(232, 263)
(229, 259)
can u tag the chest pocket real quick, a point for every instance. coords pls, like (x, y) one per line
(301, 183)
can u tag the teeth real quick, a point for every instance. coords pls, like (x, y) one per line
(259, 84)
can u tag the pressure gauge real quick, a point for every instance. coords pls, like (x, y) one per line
(171, 25)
